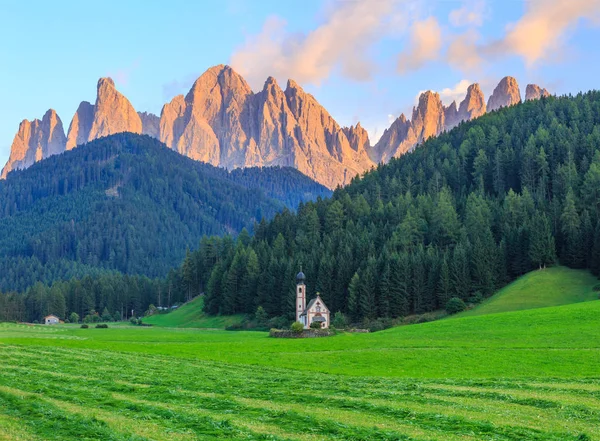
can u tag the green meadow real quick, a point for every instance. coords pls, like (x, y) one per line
(527, 374)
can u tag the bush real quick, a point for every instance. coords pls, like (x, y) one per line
(106, 316)
(84, 326)
(477, 297)
(133, 321)
(279, 322)
(102, 325)
(596, 287)
(297, 327)
(455, 305)
(339, 320)
(261, 317)
(315, 325)
(35, 322)
(74, 317)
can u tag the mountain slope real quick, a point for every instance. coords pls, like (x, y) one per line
(128, 203)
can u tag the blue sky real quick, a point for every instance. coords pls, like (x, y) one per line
(364, 60)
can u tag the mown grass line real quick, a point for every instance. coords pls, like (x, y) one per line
(50, 423)
(426, 421)
(68, 374)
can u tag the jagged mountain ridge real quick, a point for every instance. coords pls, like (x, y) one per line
(221, 121)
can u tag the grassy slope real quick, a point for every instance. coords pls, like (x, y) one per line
(190, 315)
(538, 289)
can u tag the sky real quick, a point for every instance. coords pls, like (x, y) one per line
(364, 60)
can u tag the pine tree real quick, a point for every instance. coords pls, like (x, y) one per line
(354, 292)
(570, 228)
(542, 249)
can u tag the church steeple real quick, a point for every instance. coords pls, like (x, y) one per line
(300, 296)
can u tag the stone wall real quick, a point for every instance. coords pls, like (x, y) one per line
(307, 333)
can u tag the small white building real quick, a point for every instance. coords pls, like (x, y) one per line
(51, 320)
(315, 311)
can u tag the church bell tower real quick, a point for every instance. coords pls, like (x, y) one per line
(300, 296)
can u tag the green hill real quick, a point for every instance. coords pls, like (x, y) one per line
(538, 289)
(190, 315)
(128, 203)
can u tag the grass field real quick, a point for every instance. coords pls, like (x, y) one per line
(191, 315)
(525, 375)
(538, 289)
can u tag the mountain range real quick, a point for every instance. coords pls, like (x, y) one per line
(221, 121)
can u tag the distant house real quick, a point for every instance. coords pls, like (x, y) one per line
(51, 320)
(315, 311)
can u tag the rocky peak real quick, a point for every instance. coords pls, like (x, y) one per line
(534, 92)
(81, 124)
(113, 113)
(357, 137)
(451, 116)
(150, 124)
(399, 138)
(428, 116)
(505, 94)
(473, 106)
(34, 141)
(171, 121)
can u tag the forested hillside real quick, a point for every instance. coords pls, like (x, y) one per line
(128, 203)
(467, 212)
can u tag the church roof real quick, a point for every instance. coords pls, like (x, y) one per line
(311, 303)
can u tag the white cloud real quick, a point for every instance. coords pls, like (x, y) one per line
(471, 13)
(424, 46)
(544, 28)
(342, 42)
(538, 36)
(463, 53)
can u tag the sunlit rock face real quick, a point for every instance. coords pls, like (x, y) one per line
(535, 92)
(36, 140)
(505, 94)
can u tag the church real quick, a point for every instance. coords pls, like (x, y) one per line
(315, 311)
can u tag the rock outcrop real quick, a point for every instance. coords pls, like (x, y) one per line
(112, 113)
(505, 94)
(150, 124)
(428, 117)
(535, 92)
(451, 117)
(35, 141)
(395, 141)
(473, 106)
(357, 137)
(81, 124)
